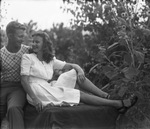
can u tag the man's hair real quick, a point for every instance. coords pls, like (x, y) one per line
(13, 26)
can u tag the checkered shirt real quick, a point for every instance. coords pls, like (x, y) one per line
(10, 64)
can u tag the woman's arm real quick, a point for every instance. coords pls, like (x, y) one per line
(28, 90)
(79, 70)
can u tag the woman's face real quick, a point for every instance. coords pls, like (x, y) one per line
(37, 44)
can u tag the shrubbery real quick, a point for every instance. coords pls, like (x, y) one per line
(117, 51)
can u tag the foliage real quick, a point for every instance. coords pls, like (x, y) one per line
(68, 44)
(30, 28)
(118, 46)
(3, 38)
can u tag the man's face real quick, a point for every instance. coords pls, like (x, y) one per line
(18, 37)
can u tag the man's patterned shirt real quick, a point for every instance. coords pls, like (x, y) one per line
(10, 64)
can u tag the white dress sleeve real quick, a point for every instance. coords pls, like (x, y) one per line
(25, 64)
(58, 64)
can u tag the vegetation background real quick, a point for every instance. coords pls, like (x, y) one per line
(110, 40)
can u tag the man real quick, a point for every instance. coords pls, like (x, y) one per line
(12, 95)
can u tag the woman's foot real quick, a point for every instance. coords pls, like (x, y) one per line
(127, 104)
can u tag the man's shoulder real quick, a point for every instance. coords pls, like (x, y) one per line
(25, 48)
(3, 48)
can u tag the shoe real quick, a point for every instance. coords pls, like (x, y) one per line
(124, 108)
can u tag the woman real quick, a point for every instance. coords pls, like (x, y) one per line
(37, 69)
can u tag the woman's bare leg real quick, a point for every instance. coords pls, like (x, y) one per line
(90, 87)
(98, 101)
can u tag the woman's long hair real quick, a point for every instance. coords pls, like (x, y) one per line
(48, 50)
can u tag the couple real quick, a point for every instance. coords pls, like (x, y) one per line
(36, 72)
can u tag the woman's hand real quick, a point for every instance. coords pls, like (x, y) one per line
(80, 72)
(81, 77)
(38, 105)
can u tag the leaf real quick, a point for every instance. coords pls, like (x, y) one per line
(110, 72)
(121, 21)
(93, 67)
(140, 95)
(122, 91)
(128, 59)
(147, 79)
(146, 31)
(130, 72)
(107, 69)
(125, 80)
(113, 45)
(139, 55)
(147, 60)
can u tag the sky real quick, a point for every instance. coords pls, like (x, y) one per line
(44, 12)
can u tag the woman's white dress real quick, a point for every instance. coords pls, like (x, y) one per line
(58, 92)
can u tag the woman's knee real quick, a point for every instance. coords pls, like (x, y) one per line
(82, 96)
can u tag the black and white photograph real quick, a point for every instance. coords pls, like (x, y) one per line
(75, 64)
